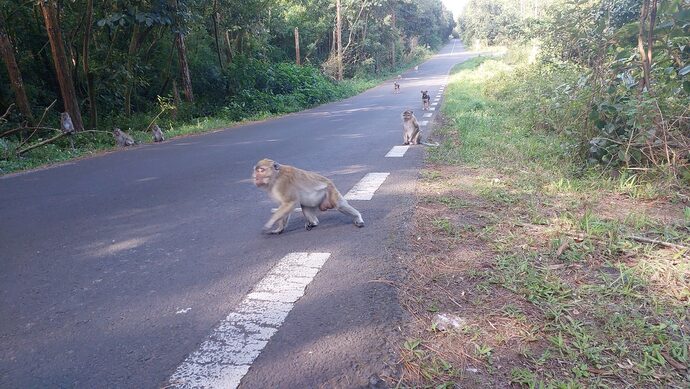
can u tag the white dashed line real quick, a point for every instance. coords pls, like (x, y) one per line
(397, 151)
(437, 99)
(365, 188)
(434, 103)
(427, 115)
(432, 109)
(423, 122)
(223, 359)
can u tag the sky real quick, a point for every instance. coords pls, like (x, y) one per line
(455, 6)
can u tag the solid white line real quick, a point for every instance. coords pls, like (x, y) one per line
(365, 188)
(274, 210)
(427, 115)
(423, 122)
(223, 359)
(397, 151)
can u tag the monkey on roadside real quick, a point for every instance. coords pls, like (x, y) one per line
(411, 132)
(122, 138)
(396, 87)
(425, 100)
(157, 133)
(291, 187)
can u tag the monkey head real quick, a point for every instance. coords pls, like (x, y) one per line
(407, 115)
(264, 172)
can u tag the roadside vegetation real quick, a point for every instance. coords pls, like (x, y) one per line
(189, 65)
(551, 245)
(557, 276)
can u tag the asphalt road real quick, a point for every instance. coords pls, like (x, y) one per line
(114, 269)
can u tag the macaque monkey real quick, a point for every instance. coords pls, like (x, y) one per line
(416, 68)
(291, 187)
(157, 133)
(66, 124)
(411, 132)
(396, 87)
(425, 100)
(122, 138)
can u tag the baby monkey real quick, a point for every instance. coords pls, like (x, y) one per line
(396, 84)
(291, 187)
(411, 132)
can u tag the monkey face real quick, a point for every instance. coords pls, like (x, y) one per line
(407, 114)
(263, 172)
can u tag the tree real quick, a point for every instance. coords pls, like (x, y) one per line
(7, 54)
(62, 67)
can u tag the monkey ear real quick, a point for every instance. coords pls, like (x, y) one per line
(276, 166)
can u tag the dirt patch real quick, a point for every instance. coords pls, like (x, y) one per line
(539, 303)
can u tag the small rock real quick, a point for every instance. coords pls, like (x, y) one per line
(448, 321)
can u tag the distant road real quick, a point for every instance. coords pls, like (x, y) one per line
(127, 269)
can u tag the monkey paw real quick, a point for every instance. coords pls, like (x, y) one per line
(359, 223)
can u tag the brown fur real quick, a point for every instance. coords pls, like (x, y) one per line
(291, 187)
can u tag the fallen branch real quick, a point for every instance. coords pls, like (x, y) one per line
(41, 143)
(657, 242)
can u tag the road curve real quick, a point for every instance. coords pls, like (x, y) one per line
(115, 269)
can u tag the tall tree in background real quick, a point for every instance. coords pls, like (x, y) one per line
(179, 29)
(7, 53)
(62, 66)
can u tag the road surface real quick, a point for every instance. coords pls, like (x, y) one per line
(146, 267)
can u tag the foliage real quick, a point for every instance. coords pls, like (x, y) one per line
(586, 81)
(240, 55)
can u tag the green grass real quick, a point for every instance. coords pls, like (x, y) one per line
(605, 310)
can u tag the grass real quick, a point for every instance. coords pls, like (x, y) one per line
(545, 263)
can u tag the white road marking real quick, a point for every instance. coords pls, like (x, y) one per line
(434, 103)
(223, 359)
(365, 188)
(274, 210)
(423, 122)
(427, 115)
(432, 109)
(437, 99)
(397, 151)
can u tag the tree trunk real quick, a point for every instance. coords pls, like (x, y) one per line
(645, 61)
(85, 64)
(338, 37)
(7, 53)
(216, 16)
(62, 68)
(184, 67)
(297, 55)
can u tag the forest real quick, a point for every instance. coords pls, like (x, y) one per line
(612, 76)
(131, 64)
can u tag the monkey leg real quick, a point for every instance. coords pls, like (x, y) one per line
(310, 214)
(349, 210)
(280, 218)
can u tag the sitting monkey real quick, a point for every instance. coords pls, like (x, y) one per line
(291, 187)
(411, 132)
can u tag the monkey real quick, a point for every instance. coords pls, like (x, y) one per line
(157, 133)
(396, 87)
(66, 124)
(425, 100)
(122, 138)
(416, 68)
(411, 132)
(291, 187)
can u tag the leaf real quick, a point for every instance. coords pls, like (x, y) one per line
(684, 70)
